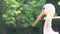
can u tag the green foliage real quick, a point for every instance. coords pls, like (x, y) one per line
(10, 7)
(25, 11)
(30, 11)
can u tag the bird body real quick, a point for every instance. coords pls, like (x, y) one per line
(49, 11)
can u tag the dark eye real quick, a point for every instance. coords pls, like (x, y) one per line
(43, 8)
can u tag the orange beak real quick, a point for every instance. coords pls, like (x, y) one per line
(38, 19)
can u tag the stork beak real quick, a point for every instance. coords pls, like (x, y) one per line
(38, 19)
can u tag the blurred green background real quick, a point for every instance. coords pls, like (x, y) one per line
(17, 16)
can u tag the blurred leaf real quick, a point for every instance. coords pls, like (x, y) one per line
(17, 12)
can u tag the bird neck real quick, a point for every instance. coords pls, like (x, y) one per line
(47, 25)
(48, 22)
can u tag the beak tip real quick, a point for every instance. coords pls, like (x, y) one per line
(33, 25)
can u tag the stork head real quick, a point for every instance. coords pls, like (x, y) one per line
(48, 9)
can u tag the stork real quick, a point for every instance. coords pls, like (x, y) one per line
(49, 11)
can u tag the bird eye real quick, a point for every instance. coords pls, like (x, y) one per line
(43, 8)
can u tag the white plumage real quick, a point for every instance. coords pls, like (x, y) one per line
(50, 11)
